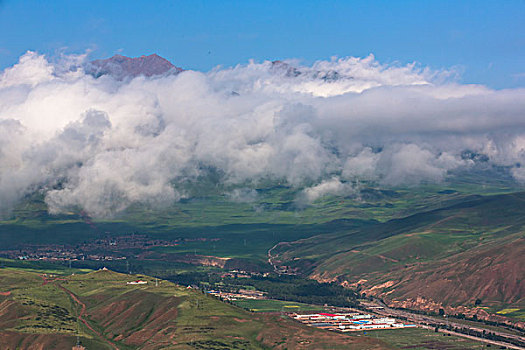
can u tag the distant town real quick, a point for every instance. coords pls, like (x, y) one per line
(340, 322)
(106, 249)
(347, 322)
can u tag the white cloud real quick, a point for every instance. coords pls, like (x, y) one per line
(362, 166)
(329, 187)
(410, 164)
(101, 144)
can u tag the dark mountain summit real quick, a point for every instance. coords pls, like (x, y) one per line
(121, 67)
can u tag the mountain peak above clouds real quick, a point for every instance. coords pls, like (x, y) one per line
(121, 67)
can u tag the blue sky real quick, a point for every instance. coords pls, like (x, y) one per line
(485, 39)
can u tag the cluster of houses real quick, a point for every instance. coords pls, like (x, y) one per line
(240, 294)
(136, 282)
(347, 322)
(243, 274)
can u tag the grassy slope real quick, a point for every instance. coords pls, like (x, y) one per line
(452, 255)
(245, 230)
(373, 236)
(145, 317)
(274, 211)
(36, 316)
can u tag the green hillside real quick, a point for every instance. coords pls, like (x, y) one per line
(418, 240)
(212, 224)
(452, 256)
(49, 311)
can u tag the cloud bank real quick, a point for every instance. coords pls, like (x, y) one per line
(102, 144)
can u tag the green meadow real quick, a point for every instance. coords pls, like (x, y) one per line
(268, 305)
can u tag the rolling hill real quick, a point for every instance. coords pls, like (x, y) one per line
(39, 311)
(444, 258)
(430, 247)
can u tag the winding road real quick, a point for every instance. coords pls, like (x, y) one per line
(422, 320)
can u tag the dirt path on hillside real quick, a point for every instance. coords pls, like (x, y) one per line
(272, 257)
(82, 311)
(46, 280)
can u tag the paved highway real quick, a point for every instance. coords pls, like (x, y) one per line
(422, 320)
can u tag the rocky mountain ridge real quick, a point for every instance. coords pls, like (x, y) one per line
(122, 67)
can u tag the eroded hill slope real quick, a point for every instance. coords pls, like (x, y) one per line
(448, 257)
(42, 312)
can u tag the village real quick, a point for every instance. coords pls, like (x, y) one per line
(240, 294)
(109, 248)
(347, 322)
(340, 322)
